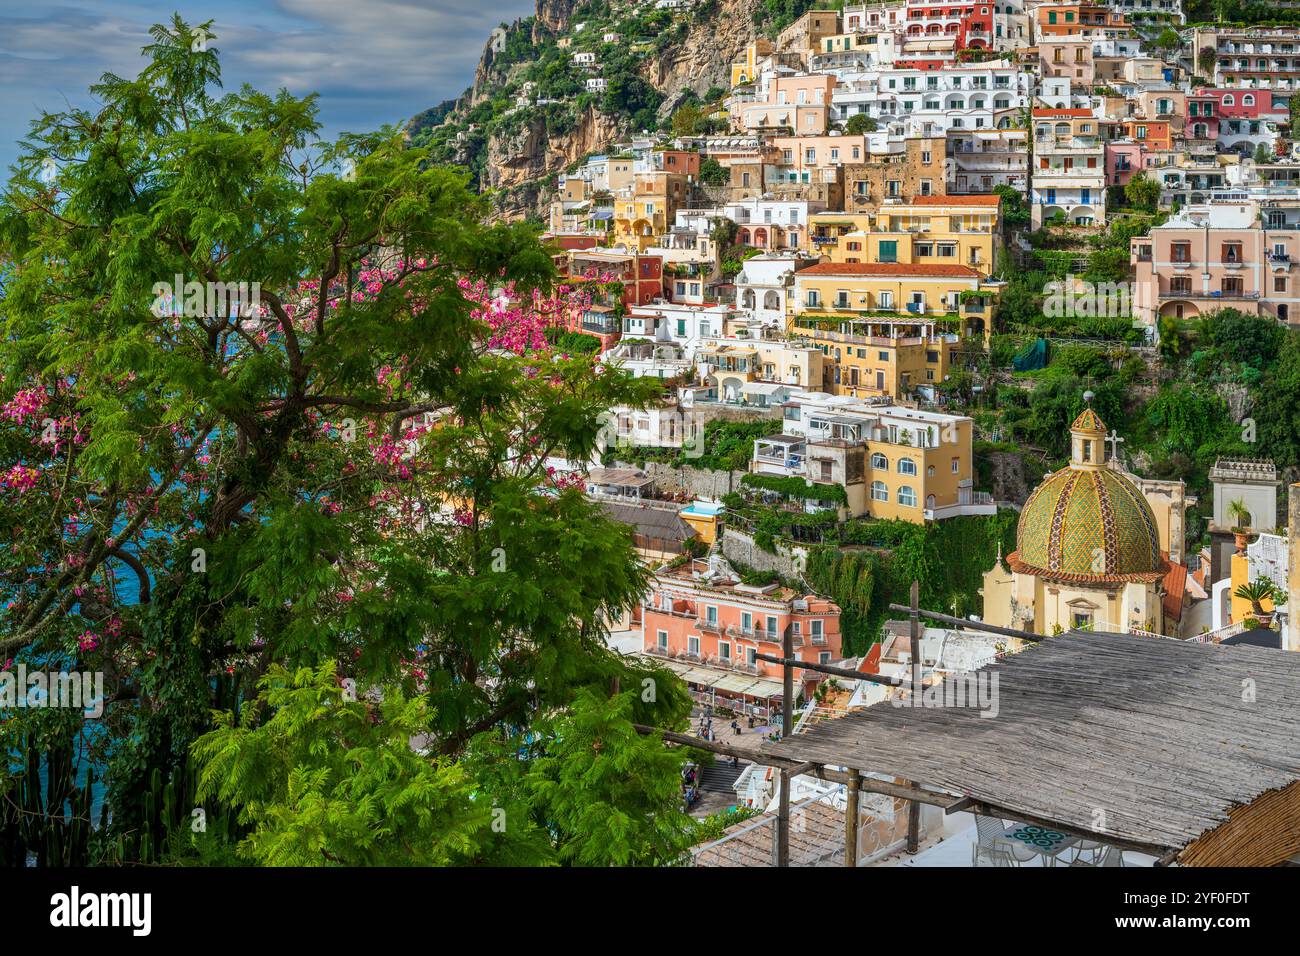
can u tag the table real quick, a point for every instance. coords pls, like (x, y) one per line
(1042, 840)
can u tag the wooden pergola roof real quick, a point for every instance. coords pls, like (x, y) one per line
(1188, 751)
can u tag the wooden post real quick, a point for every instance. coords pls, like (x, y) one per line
(783, 822)
(914, 808)
(851, 820)
(787, 730)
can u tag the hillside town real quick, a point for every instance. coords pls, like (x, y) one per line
(817, 255)
(730, 433)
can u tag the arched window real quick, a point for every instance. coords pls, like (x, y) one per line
(907, 496)
(747, 299)
(771, 299)
(879, 491)
(1248, 100)
(1228, 99)
(906, 466)
(929, 502)
(879, 461)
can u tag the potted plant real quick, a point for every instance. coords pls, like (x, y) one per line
(1240, 515)
(1257, 592)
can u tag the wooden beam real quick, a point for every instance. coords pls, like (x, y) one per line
(787, 730)
(970, 625)
(851, 819)
(829, 669)
(865, 785)
(783, 821)
(914, 807)
(965, 803)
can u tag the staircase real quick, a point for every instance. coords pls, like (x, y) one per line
(720, 778)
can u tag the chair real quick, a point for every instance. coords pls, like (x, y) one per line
(1092, 849)
(1109, 857)
(992, 840)
(989, 856)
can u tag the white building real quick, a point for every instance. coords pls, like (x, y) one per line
(765, 283)
(914, 102)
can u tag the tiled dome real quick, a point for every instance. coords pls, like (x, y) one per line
(1087, 522)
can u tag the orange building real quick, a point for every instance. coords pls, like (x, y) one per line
(704, 620)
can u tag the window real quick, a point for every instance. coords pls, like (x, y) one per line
(824, 657)
(907, 496)
(815, 628)
(813, 299)
(879, 461)
(1182, 252)
(771, 627)
(879, 492)
(1279, 284)
(711, 616)
(693, 644)
(751, 656)
(1180, 285)
(661, 638)
(906, 466)
(888, 251)
(746, 622)
(724, 650)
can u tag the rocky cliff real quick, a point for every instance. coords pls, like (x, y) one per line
(661, 59)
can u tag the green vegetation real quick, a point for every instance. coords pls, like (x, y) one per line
(237, 541)
(797, 488)
(948, 557)
(860, 123)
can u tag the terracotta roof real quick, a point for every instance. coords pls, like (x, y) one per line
(954, 201)
(887, 269)
(816, 839)
(1062, 113)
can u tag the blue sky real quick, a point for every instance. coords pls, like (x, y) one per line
(372, 61)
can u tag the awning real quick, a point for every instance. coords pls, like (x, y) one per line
(719, 679)
(761, 388)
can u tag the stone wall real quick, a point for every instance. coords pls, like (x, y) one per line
(740, 547)
(697, 482)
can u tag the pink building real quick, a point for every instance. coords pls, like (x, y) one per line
(1240, 119)
(1219, 256)
(705, 618)
(799, 102)
(1125, 158)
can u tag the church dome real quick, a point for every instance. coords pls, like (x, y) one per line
(1088, 523)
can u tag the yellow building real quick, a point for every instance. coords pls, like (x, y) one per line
(892, 462)
(745, 70)
(886, 326)
(878, 360)
(927, 230)
(646, 210)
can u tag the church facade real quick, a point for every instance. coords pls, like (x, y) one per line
(1090, 551)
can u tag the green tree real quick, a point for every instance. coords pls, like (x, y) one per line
(713, 173)
(352, 472)
(1143, 192)
(860, 123)
(328, 779)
